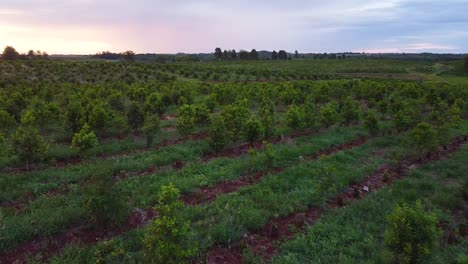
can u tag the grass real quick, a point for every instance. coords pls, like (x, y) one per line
(355, 234)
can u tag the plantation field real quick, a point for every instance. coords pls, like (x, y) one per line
(299, 161)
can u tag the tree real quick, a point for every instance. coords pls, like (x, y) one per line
(74, 116)
(424, 137)
(186, 120)
(129, 55)
(328, 115)
(252, 130)
(296, 55)
(233, 54)
(7, 121)
(217, 133)
(244, 55)
(350, 110)
(84, 140)
(235, 117)
(412, 234)
(372, 123)
(167, 238)
(295, 117)
(253, 54)
(151, 127)
(104, 202)
(10, 53)
(466, 64)
(28, 144)
(266, 113)
(218, 53)
(274, 55)
(282, 55)
(135, 116)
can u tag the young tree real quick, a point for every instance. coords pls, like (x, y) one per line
(371, 122)
(104, 202)
(135, 116)
(218, 135)
(155, 104)
(296, 55)
(74, 116)
(84, 140)
(295, 117)
(252, 130)
(167, 239)
(424, 137)
(28, 144)
(350, 110)
(186, 120)
(412, 234)
(7, 121)
(266, 113)
(329, 115)
(235, 117)
(151, 127)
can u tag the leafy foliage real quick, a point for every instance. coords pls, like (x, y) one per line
(167, 239)
(424, 137)
(104, 202)
(84, 140)
(28, 144)
(218, 134)
(412, 234)
(151, 127)
(253, 130)
(371, 123)
(136, 116)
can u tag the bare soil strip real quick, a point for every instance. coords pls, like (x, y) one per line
(208, 194)
(48, 246)
(103, 156)
(264, 242)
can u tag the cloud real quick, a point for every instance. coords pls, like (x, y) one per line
(87, 26)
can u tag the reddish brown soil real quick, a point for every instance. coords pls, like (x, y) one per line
(264, 242)
(45, 247)
(208, 194)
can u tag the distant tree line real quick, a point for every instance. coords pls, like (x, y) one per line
(233, 55)
(10, 53)
(107, 55)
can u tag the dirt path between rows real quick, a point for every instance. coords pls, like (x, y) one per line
(264, 242)
(208, 194)
(47, 247)
(243, 149)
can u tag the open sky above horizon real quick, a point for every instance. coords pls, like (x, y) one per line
(192, 26)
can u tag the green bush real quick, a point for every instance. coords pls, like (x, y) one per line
(151, 127)
(135, 116)
(295, 117)
(329, 115)
(28, 144)
(104, 202)
(371, 123)
(424, 137)
(218, 135)
(412, 235)
(84, 140)
(252, 130)
(350, 110)
(167, 238)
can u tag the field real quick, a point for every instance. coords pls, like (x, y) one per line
(297, 161)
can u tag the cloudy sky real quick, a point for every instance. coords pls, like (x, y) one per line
(168, 26)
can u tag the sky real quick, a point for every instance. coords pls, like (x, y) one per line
(193, 26)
